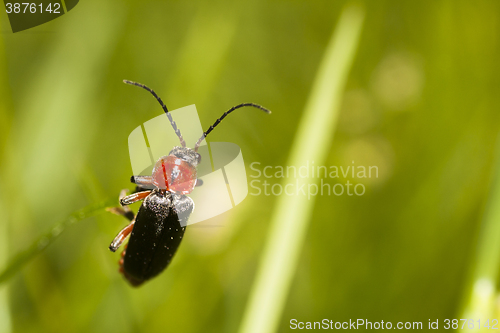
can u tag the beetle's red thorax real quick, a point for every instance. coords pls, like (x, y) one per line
(174, 174)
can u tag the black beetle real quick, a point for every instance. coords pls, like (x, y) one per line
(157, 230)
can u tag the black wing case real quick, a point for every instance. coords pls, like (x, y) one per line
(158, 231)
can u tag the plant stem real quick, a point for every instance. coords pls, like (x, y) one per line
(481, 291)
(312, 143)
(22, 258)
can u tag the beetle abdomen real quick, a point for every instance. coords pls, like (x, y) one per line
(156, 235)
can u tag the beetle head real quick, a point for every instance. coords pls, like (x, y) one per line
(186, 154)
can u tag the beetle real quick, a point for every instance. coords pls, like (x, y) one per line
(159, 226)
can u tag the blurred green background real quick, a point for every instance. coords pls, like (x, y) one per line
(421, 102)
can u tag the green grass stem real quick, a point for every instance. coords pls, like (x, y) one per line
(481, 292)
(312, 143)
(22, 258)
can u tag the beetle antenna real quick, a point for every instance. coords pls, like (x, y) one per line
(210, 129)
(172, 122)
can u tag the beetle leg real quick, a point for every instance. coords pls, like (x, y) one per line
(122, 211)
(121, 270)
(199, 182)
(115, 244)
(127, 213)
(130, 199)
(145, 182)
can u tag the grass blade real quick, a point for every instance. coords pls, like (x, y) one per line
(312, 142)
(22, 258)
(482, 291)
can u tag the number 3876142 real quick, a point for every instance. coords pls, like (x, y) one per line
(26, 7)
